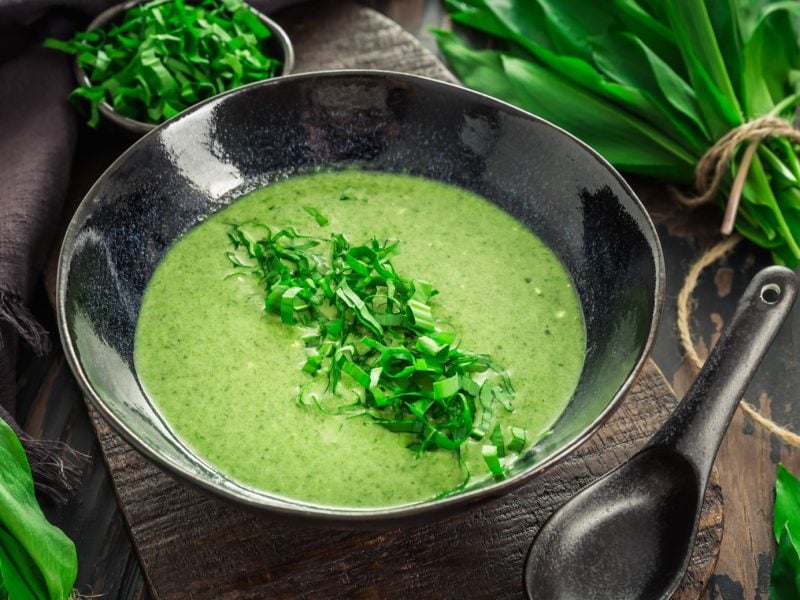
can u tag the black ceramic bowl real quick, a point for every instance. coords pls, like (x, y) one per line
(194, 165)
(278, 46)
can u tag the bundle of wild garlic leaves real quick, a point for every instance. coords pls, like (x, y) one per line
(652, 85)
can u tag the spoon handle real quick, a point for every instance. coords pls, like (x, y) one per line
(697, 426)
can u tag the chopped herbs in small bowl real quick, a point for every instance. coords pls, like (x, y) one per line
(142, 62)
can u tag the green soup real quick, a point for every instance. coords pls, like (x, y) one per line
(226, 375)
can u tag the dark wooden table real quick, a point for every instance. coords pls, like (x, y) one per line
(54, 408)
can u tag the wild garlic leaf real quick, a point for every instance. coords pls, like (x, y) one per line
(571, 23)
(482, 20)
(33, 553)
(606, 128)
(523, 19)
(692, 27)
(625, 59)
(785, 577)
(787, 504)
(584, 74)
(767, 57)
(652, 31)
(784, 580)
(725, 22)
(481, 69)
(676, 90)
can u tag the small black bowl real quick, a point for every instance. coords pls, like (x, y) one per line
(278, 45)
(200, 161)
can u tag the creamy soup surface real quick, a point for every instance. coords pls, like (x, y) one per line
(226, 375)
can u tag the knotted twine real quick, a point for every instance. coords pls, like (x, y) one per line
(709, 174)
(713, 165)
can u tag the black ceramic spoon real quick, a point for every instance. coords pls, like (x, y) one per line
(630, 534)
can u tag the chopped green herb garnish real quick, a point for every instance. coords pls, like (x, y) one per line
(350, 194)
(498, 442)
(519, 437)
(366, 324)
(491, 455)
(321, 219)
(165, 56)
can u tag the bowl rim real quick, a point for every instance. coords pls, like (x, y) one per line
(350, 516)
(142, 127)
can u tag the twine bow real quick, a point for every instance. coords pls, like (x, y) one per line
(713, 165)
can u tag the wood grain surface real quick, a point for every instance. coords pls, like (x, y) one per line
(193, 546)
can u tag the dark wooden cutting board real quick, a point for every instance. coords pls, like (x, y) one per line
(194, 546)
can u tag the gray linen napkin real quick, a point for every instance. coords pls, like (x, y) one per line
(37, 138)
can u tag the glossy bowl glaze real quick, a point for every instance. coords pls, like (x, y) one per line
(278, 46)
(197, 163)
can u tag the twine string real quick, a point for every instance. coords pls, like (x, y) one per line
(713, 165)
(684, 318)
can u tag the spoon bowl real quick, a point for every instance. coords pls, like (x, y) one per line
(644, 510)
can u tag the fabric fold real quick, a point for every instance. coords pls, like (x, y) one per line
(37, 143)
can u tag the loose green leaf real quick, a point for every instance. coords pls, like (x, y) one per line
(492, 458)
(787, 504)
(784, 579)
(36, 559)
(321, 219)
